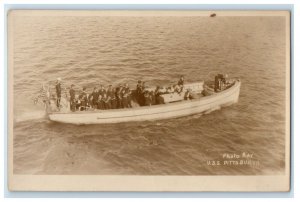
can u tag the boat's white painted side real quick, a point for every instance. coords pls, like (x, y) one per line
(156, 112)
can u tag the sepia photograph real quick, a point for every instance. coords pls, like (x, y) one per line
(149, 100)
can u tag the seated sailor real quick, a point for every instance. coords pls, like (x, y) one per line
(148, 101)
(157, 94)
(152, 97)
(139, 92)
(77, 102)
(109, 90)
(188, 95)
(177, 89)
(72, 98)
(94, 97)
(102, 90)
(99, 102)
(106, 101)
(142, 96)
(124, 98)
(113, 101)
(118, 97)
(128, 92)
(83, 97)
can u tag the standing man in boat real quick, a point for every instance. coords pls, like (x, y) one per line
(113, 101)
(139, 92)
(58, 92)
(72, 98)
(128, 92)
(143, 93)
(118, 97)
(181, 83)
(95, 95)
(218, 82)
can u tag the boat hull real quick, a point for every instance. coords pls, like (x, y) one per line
(156, 112)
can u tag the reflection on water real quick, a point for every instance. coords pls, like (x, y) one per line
(112, 50)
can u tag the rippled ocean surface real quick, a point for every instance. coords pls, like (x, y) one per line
(87, 51)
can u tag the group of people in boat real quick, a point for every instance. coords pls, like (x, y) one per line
(122, 96)
(101, 98)
(116, 97)
(220, 82)
(147, 96)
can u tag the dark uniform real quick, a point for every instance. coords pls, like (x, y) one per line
(106, 103)
(77, 104)
(72, 100)
(103, 103)
(187, 95)
(180, 84)
(139, 94)
(155, 95)
(109, 96)
(148, 100)
(58, 94)
(113, 102)
(95, 96)
(100, 103)
(83, 100)
(218, 80)
(143, 94)
(152, 97)
(90, 101)
(118, 98)
(158, 98)
(102, 92)
(124, 100)
(128, 92)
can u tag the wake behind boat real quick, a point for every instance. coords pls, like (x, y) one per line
(193, 98)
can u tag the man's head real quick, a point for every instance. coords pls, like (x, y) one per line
(58, 80)
(72, 86)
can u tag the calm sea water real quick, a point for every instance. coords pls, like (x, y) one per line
(110, 50)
